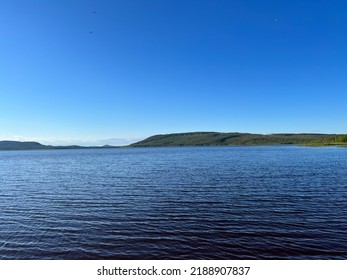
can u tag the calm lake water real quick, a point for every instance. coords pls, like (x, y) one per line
(174, 203)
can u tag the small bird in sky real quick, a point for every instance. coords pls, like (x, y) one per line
(91, 32)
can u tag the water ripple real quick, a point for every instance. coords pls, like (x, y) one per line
(174, 203)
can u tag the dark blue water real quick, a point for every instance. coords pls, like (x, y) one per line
(174, 203)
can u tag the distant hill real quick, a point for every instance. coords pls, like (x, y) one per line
(235, 138)
(204, 139)
(16, 145)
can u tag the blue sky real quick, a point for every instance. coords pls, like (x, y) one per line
(116, 71)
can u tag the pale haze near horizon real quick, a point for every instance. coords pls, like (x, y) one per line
(115, 72)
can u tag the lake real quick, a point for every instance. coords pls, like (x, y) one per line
(276, 202)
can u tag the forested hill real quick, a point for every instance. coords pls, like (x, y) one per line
(235, 138)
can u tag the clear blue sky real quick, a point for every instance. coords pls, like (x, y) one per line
(87, 70)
